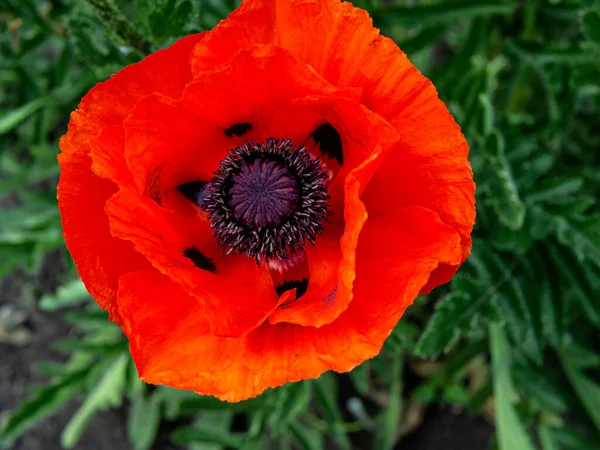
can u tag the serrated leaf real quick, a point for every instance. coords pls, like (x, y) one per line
(503, 193)
(403, 336)
(143, 421)
(293, 399)
(510, 433)
(108, 392)
(70, 294)
(510, 302)
(169, 18)
(45, 402)
(454, 315)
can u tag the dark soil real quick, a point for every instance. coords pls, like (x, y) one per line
(442, 428)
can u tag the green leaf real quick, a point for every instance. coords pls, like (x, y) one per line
(45, 402)
(591, 24)
(568, 439)
(12, 119)
(70, 294)
(170, 18)
(503, 193)
(441, 12)
(510, 433)
(510, 302)
(587, 390)
(210, 435)
(326, 394)
(293, 399)
(191, 403)
(544, 386)
(575, 283)
(108, 392)
(555, 189)
(453, 315)
(389, 420)
(360, 377)
(546, 438)
(307, 438)
(144, 419)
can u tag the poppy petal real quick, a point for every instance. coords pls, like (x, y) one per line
(346, 50)
(332, 260)
(100, 257)
(109, 102)
(171, 341)
(166, 239)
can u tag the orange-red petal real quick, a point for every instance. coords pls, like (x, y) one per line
(100, 258)
(340, 43)
(171, 342)
(235, 295)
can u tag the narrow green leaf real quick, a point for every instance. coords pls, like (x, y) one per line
(188, 435)
(387, 432)
(441, 12)
(544, 386)
(510, 433)
(307, 438)
(70, 294)
(587, 390)
(546, 438)
(452, 316)
(45, 402)
(18, 115)
(360, 378)
(143, 420)
(569, 439)
(503, 193)
(296, 397)
(108, 392)
(191, 403)
(554, 189)
(326, 394)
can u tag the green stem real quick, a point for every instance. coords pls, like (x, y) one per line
(121, 25)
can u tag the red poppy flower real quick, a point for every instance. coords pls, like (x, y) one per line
(260, 203)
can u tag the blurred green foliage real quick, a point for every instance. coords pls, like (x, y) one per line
(514, 335)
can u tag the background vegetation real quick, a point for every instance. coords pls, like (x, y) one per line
(514, 337)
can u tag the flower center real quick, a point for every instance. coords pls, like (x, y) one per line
(267, 199)
(263, 193)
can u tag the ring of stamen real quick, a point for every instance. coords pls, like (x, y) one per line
(267, 199)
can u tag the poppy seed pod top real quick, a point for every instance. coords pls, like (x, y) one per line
(260, 203)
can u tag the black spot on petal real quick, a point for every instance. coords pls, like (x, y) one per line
(329, 141)
(300, 285)
(194, 191)
(200, 260)
(238, 129)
